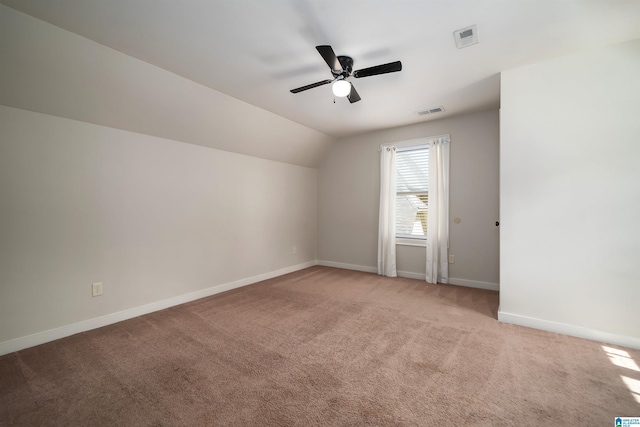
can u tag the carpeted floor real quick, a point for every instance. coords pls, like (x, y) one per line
(321, 346)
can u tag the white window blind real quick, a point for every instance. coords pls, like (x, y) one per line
(412, 191)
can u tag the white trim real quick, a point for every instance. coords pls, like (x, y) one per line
(355, 267)
(412, 147)
(567, 329)
(474, 284)
(406, 241)
(411, 275)
(108, 319)
(453, 281)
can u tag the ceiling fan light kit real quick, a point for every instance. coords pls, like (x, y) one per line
(341, 88)
(341, 68)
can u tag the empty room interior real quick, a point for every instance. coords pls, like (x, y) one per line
(197, 227)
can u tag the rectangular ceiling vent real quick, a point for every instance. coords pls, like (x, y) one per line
(432, 111)
(466, 36)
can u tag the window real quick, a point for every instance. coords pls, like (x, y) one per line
(412, 191)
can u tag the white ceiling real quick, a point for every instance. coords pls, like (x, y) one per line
(258, 50)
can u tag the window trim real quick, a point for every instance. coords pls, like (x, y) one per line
(412, 241)
(406, 145)
(412, 147)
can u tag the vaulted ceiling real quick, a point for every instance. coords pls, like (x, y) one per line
(256, 51)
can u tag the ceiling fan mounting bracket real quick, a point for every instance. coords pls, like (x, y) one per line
(346, 62)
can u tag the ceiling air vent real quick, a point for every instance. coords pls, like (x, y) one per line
(466, 36)
(432, 111)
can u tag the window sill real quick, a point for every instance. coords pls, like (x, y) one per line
(411, 242)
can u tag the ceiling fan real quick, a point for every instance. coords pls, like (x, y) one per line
(341, 67)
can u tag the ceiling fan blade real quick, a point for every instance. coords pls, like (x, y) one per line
(329, 57)
(391, 67)
(311, 86)
(353, 95)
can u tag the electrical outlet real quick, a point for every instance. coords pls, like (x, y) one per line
(295, 250)
(452, 259)
(96, 289)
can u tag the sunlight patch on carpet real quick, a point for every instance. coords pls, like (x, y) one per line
(633, 385)
(621, 358)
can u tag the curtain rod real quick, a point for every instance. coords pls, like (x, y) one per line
(416, 141)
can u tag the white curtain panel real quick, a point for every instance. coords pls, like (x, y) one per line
(438, 211)
(387, 222)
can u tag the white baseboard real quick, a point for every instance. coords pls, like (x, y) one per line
(453, 281)
(474, 284)
(348, 266)
(567, 329)
(412, 275)
(98, 322)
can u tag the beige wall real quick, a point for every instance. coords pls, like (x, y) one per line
(570, 195)
(151, 218)
(348, 194)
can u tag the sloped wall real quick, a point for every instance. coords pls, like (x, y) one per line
(53, 71)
